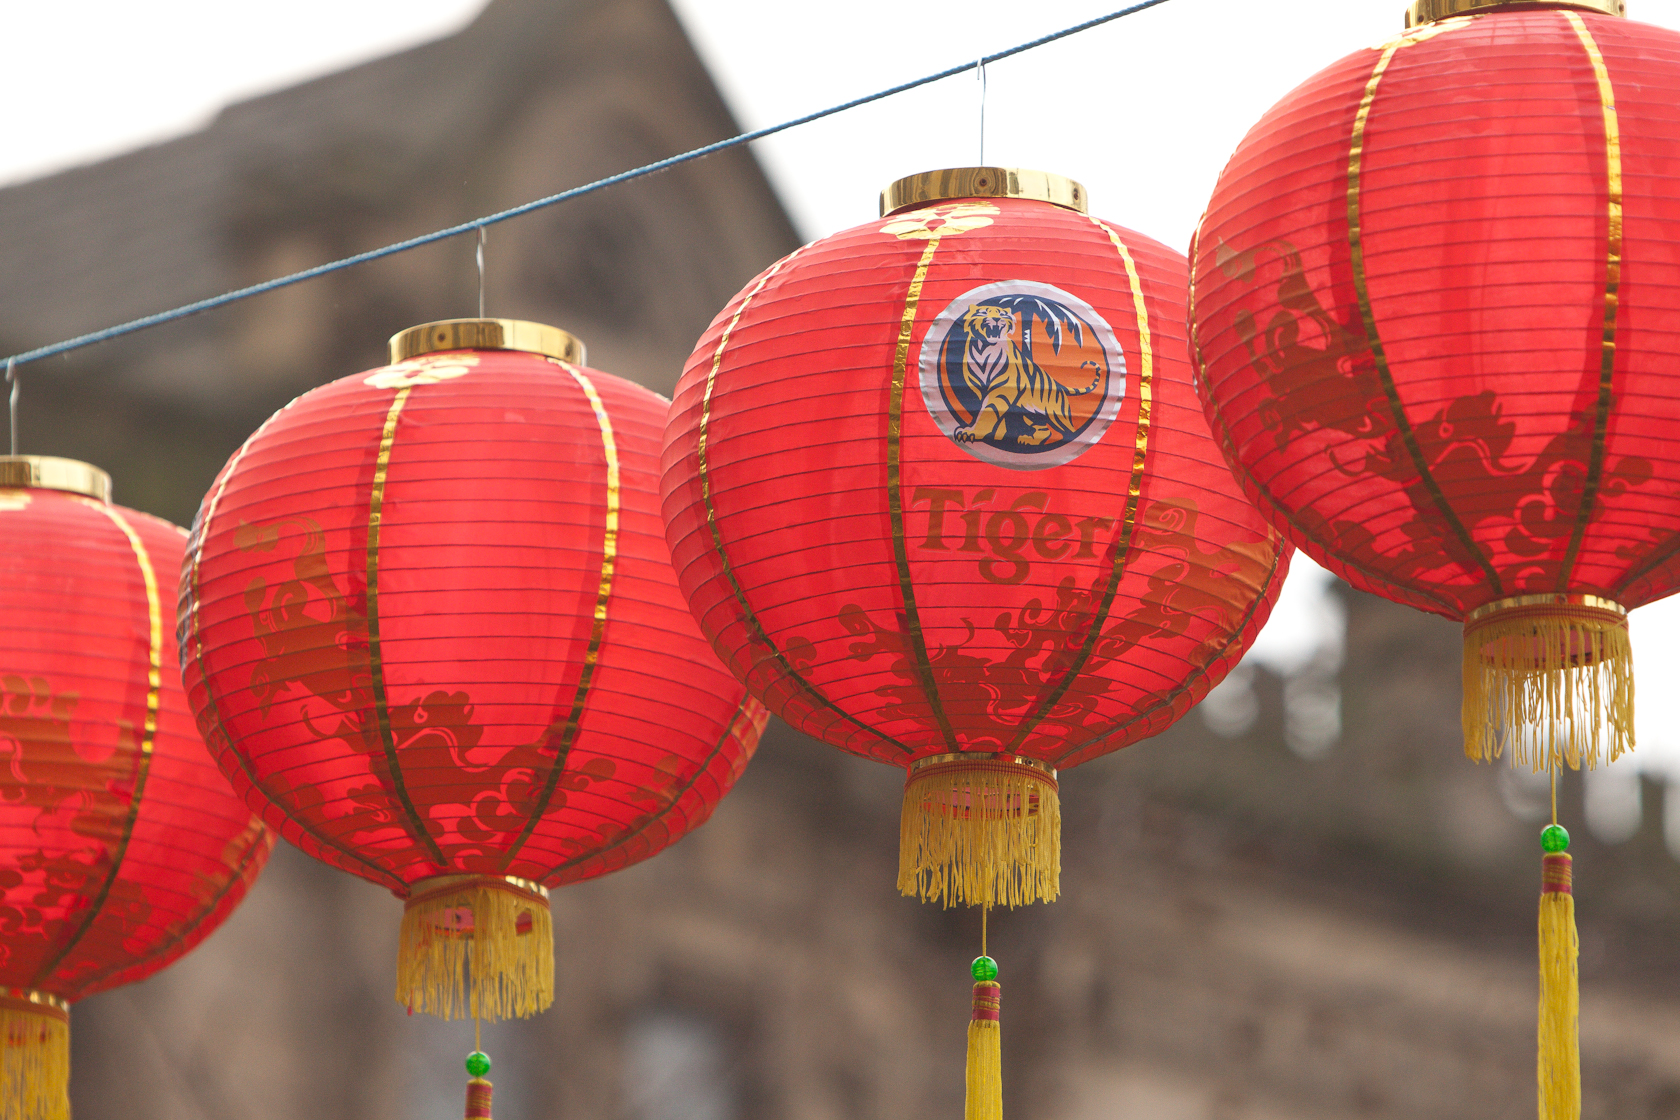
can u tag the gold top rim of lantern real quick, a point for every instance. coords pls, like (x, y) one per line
(49, 472)
(487, 334)
(984, 182)
(1428, 11)
(984, 757)
(32, 999)
(1543, 603)
(421, 889)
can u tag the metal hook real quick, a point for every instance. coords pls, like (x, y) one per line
(980, 72)
(481, 272)
(12, 397)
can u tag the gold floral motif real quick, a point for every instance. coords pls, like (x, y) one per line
(14, 499)
(941, 221)
(426, 370)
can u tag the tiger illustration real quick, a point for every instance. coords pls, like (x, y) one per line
(1009, 382)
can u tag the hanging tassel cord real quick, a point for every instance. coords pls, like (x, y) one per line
(983, 1096)
(478, 1089)
(1559, 1061)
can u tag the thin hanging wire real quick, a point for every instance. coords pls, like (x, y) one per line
(1554, 789)
(481, 272)
(984, 912)
(980, 72)
(147, 321)
(12, 398)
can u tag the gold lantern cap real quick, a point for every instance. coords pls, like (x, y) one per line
(486, 334)
(983, 182)
(48, 472)
(1428, 11)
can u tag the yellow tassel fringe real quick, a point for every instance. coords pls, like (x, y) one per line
(1551, 678)
(984, 1097)
(35, 1065)
(476, 947)
(1560, 1052)
(982, 832)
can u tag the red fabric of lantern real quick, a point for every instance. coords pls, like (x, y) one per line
(121, 846)
(1436, 305)
(940, 492)
(432, 635)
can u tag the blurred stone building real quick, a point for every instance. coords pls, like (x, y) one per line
(1255, 925)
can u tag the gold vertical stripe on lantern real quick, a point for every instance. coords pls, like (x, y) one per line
(1612, 289)
(148, 732)
(476, 947)
(895, 499)
(376, 661)
(981, 830)
(35, 1064)
(598, 620)
(703, 470)
(1134, 495)
(1379, 356)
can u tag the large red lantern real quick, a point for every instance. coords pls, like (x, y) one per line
(121, 847)
(940, 492)
(1436, 305)
(432, 635)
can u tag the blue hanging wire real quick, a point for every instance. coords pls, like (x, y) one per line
(478, 224)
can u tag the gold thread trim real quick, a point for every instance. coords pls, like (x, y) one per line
(598, 624)
(376, 661)
(748, 615)
(201, 534)
(988, 833)
(148, 733)
(1122, 539)
(1612, 293)
(982, 756)
(895, 500)
(1356, 252)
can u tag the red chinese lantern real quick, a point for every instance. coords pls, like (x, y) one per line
(1436, 306)
(940, 492)
(433, 637)
(121, 847)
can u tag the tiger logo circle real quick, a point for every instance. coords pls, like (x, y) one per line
(1021, 374)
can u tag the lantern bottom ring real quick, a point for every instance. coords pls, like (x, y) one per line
(970, 758)
(35, 1002)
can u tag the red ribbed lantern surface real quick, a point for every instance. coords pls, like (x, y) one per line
(940, 492)
(433, 636)
(1437, 304)
(121, 846)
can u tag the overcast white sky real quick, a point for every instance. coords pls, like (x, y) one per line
(1144, 111)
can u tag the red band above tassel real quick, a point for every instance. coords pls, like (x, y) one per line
(478, 1099)
(988, 1001)
(1555, 873)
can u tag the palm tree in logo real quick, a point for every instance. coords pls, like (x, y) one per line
(1013, 400)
